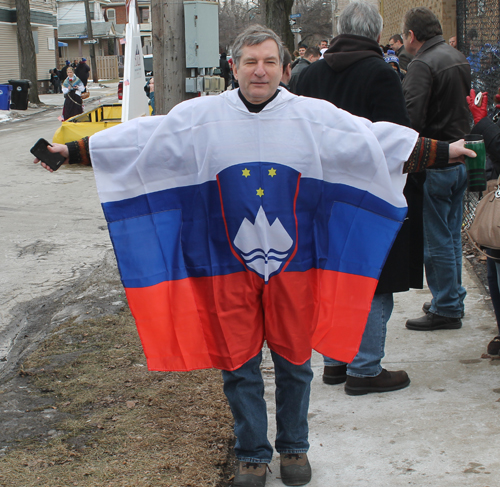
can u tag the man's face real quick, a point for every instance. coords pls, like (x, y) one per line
(323, 44)
(453, 41)
(259, 71)
(407, 42)
(302, 51)
(395, 45)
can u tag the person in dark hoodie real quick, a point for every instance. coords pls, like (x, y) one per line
(354, 76)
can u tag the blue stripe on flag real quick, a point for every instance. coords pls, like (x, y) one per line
(180, 233)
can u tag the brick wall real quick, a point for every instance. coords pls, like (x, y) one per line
(121, 14)
(393, 12)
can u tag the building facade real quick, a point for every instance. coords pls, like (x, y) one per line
(393, 13)
(43, 23)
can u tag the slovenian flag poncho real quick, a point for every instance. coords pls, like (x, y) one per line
(231, 227)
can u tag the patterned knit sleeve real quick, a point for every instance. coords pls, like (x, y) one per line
(79, 152)
(427, 153)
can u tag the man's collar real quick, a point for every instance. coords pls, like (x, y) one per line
(252, 107)
(430, 43)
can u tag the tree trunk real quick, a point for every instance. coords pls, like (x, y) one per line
(278, 19)
(90, 37)
(26, 46)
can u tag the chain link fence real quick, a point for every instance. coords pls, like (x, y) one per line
(478, 38)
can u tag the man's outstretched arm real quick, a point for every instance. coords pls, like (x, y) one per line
(76, 152)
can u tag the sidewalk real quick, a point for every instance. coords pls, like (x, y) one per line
(441, 431)
(51, 101)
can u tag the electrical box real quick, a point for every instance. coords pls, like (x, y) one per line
(201, 22)
(194, 85)
(213, 84)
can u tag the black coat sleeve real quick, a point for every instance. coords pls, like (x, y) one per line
(491, 134)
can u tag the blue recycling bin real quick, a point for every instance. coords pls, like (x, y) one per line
(5, 96)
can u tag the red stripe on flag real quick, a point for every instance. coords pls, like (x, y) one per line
(200, 323)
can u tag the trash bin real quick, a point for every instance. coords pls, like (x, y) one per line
(20, 92)
(5, 96)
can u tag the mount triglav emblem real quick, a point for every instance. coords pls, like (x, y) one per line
(258, 209)
(264, 247)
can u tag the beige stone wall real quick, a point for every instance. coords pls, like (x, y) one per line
(393, 12)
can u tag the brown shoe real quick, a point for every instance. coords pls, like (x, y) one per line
(384, 382)
(250, 475)
(295, 469)
(334, 374)
(494, 346)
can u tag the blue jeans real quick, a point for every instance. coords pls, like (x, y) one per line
(493, 268)
(372, 348)
(244, 389)
(443, 207)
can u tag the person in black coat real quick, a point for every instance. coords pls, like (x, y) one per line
(63, 73)
(354, 76)
(82, 70)
(55, 80)
(225, 69)
(490, 131)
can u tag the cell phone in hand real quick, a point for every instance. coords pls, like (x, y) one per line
(478, 100)
(53, 160)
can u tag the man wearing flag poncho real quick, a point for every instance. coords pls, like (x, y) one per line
(253, 216)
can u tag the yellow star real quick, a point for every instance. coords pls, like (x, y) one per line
(272, 172)
(246, 172)
(260, 192)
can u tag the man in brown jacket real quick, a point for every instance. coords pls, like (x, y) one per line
(435, 88)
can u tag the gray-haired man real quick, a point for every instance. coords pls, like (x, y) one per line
(354, 76)
(252, 237)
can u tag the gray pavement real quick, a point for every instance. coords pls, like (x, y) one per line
(52, 230)
(441, 431)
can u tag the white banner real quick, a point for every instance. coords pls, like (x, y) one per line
(135, 100)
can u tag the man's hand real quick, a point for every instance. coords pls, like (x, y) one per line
(61, 148)
(481, 111)
(458, 152)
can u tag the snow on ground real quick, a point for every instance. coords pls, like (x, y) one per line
(4, 115)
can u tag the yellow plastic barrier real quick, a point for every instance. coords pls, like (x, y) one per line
(88, 123)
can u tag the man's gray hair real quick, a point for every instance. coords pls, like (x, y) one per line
(252, 36)
(361, 19)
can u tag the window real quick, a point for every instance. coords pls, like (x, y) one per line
(35, 40)
(111, 15)
(144, 15)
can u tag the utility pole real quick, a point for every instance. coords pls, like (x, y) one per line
(90, 37)
(169, 54)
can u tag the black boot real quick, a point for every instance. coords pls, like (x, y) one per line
(430, 322)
